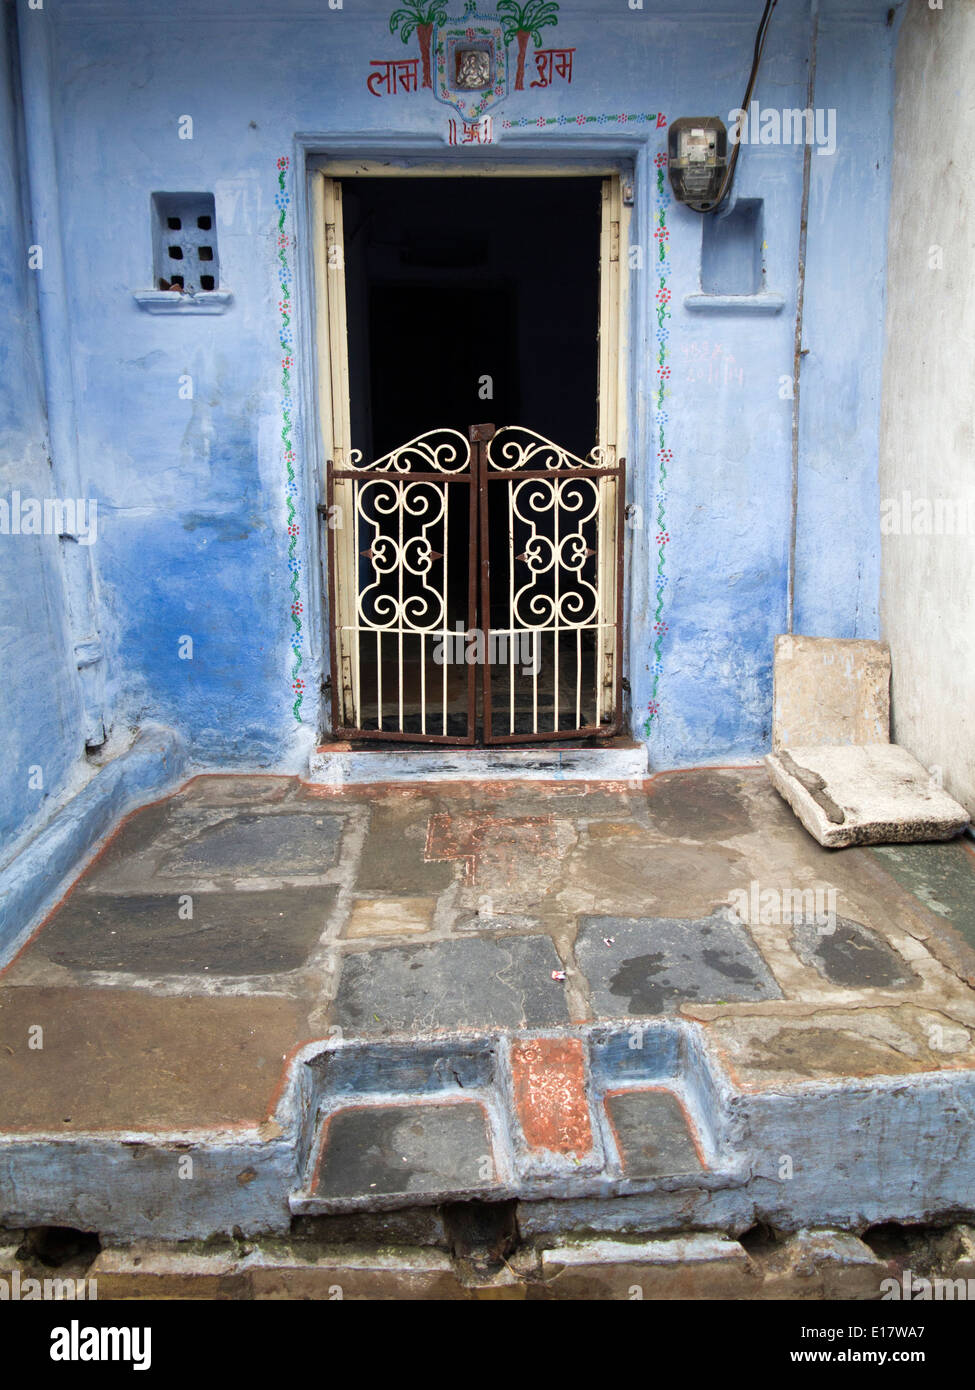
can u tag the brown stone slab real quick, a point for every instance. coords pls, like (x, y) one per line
(124, 1060)
(549, 1080)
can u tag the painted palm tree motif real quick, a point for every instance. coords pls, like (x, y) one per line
(420, 15)
(524, 22)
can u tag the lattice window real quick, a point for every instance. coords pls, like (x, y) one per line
(184, 242)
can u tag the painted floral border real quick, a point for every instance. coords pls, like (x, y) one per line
(286, 341)
(621, 118)
(661, 234)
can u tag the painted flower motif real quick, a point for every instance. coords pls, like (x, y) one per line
(469, 33)
(298, 684)
(499, 89)
(660, 160)
(665, 455)
(663, 295)
(297, 607)
(657, 668)
(287, 363)
(664, 373)
(293, 530)
(540, 121)
(661, 627)
(663, 537)
(505, 125)
(283, 161)
(653, 707)
(660, 582)
(580, 120)
(622, 118)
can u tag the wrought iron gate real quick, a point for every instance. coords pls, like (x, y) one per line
(502, 553)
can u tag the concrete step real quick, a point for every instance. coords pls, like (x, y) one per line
(600, 1111)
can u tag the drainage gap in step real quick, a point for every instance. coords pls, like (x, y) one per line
(57, 1246)
(481, 1236)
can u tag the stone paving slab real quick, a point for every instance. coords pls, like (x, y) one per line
(150, 934)
(399, 1149)
(650, 965)
(282, 842)
(474, 983)
(652, 1133)
(847, 953)
(942, 876)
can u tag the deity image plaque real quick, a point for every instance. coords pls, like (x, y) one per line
(473, 68)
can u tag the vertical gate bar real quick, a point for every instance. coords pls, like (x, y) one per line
(578, 677)
(602, 485)
(473, 548)
(536, 635)
(511, 606)
(447, 651)
(356, 632)
(480, 437)
(379, 678)
(399, 570)
(423, 684)
(555, 612)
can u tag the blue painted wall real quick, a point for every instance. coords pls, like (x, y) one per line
(41, 740)
(193, 494)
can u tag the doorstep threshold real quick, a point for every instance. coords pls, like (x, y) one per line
(346, 764)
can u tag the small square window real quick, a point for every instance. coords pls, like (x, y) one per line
(193, 215)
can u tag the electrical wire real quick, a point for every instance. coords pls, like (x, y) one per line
(729, 173)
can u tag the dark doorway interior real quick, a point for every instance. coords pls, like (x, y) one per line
(451, 280)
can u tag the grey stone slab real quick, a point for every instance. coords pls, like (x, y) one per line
(477, 982)
(652, 1134)
(941, 876)
(653, 964)
(376, 1151)
(848, 953)
(864, 795)
(230, 933)
(253, 844)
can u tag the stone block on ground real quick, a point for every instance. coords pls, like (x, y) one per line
(866, 795)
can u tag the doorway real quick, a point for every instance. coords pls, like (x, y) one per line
(475, 570)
